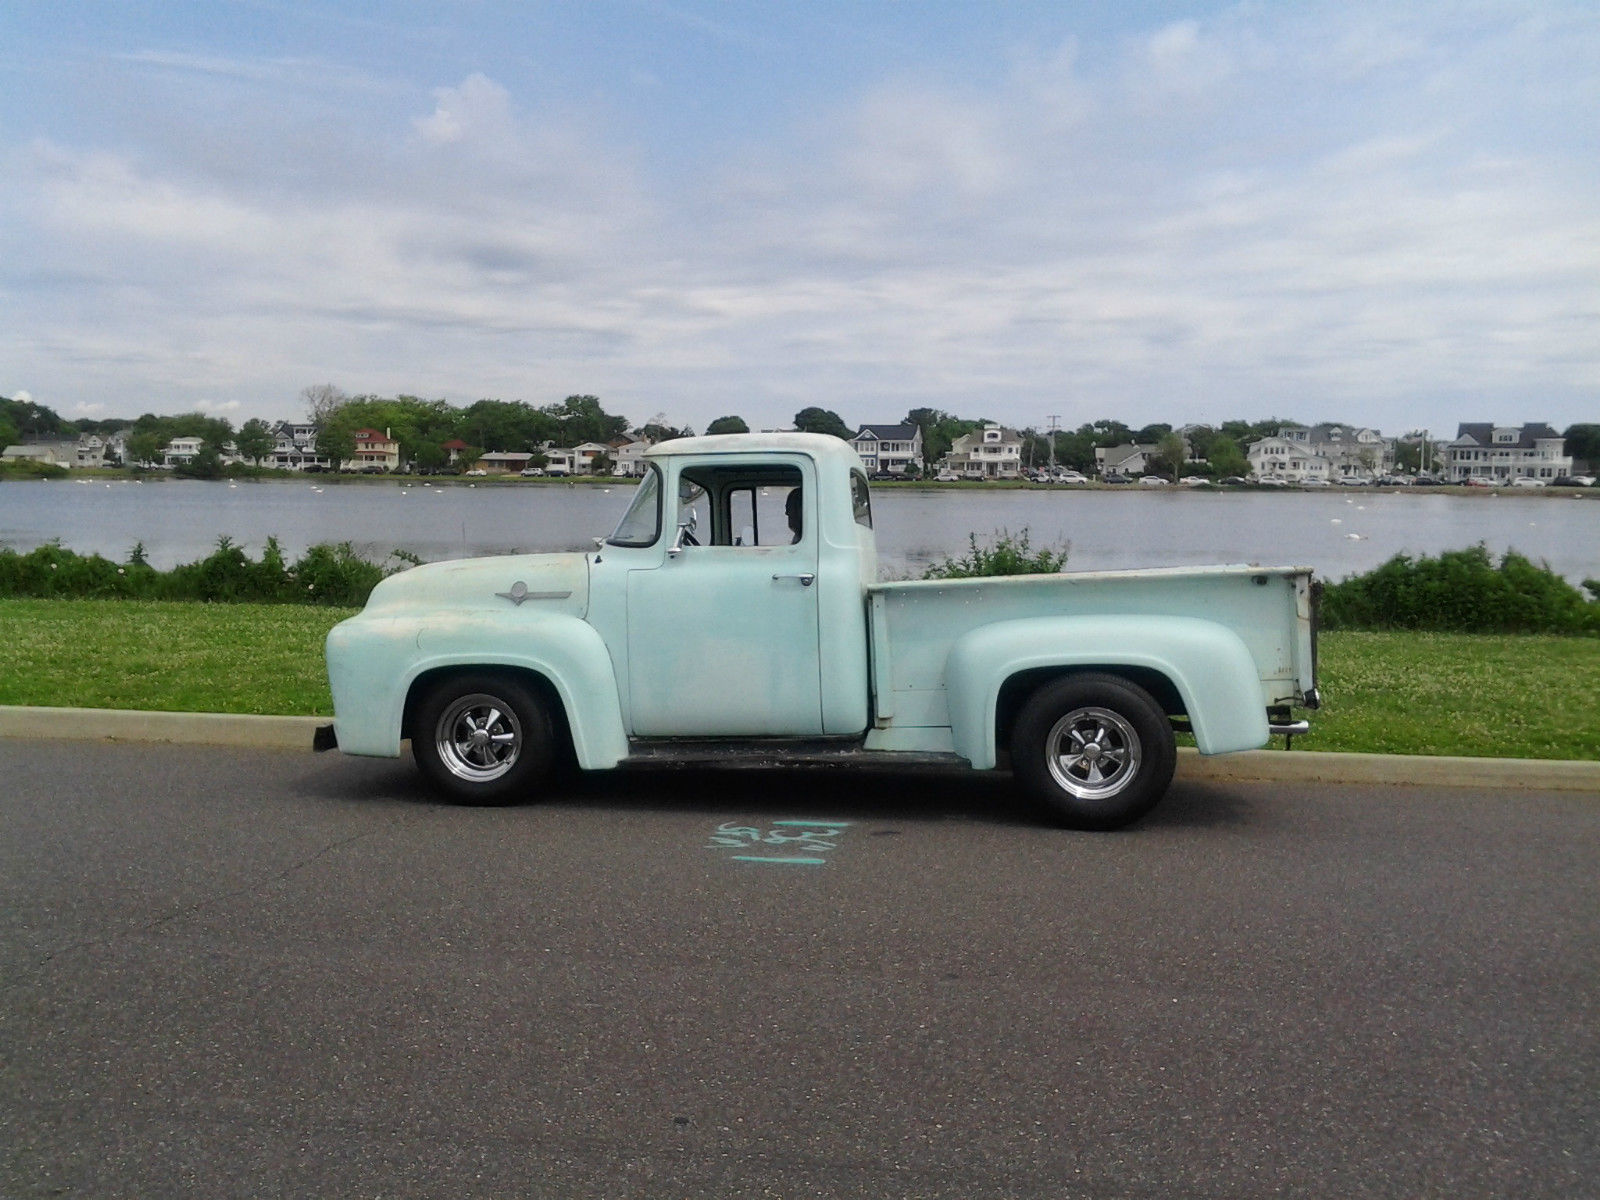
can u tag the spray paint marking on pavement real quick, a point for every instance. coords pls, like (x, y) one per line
(794, 843)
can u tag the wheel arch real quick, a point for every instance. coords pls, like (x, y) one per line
(1190, 666)
(1017, 688)
(539, 683)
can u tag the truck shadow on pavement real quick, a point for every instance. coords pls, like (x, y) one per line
(919, 795)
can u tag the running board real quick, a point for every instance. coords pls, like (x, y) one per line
(775, 752)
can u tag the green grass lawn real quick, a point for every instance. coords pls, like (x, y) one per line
(1386, 693)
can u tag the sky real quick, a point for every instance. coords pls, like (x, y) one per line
(1385, 214)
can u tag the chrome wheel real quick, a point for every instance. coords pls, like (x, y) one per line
(478, 737)
(1093, 753)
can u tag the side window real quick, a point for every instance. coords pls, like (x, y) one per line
(767, 515)
(860, 499)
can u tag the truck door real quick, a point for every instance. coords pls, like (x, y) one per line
(722, 630)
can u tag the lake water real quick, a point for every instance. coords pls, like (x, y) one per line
(1335, 531)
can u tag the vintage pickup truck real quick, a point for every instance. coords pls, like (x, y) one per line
(735, 615)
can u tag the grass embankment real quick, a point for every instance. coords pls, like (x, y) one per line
(1387, 693)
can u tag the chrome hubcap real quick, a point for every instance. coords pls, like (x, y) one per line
(478, 738)
(1093, 753)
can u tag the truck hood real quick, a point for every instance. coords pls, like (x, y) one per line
(529, 582)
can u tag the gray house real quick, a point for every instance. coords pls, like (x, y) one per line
(892, 449)
(1501, 453)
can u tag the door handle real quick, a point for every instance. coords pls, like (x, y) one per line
(805, 579)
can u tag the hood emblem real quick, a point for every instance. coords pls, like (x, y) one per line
(519, 592)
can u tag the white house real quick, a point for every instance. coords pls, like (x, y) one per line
(627, 456)
(1287, 459)
(1351, 452)
(988, 453)
(1501, 453)
(180, 451)
(891, 449)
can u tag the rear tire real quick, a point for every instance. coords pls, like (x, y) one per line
(482, 739)
(1095, 749)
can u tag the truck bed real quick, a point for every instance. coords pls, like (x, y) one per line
(914, 624)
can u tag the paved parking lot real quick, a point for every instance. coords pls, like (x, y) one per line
(255, 973)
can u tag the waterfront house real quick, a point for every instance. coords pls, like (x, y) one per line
(1127, 459)
(376, 450)
(503, 462)
(889, 449)
(627, 456)
(992, 452)
(1350, 451)
(54, 454)
(1287, 459)
(294, 447)
(1502, 453)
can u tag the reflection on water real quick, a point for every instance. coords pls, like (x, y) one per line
(1334, 532)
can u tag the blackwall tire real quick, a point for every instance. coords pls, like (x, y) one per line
(482, 739)
(1095, 749)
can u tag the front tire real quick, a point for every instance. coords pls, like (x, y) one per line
(482, 739)
(1095, 749)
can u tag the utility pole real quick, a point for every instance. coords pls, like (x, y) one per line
(1055, 424)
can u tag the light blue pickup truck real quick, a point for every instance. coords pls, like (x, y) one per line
(735, 615)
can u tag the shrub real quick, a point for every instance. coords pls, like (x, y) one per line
(328, 575)
(1461, 591)
(1008, 555)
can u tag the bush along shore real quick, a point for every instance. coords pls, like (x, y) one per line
(1460, 591)
(326, 574)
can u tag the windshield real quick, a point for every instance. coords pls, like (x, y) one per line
(641, 524)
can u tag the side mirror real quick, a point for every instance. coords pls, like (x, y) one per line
(686, 528)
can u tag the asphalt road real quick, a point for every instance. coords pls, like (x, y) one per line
(256, 973)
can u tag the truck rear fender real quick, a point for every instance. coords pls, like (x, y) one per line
(1189, 665)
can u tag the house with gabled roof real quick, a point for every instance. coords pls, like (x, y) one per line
(889, 449)
(1501, 453)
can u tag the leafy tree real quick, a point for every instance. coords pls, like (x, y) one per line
(822, 420)
(336, 442)
(581, 419)
(939, 431)
(9, 434)
(1171, 451)
(1583, 443)
(255, 440)
(728, 425)
(656, 430)
(1151, 435)
(145, 446)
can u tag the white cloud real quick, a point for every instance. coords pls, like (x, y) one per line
(1305, 213)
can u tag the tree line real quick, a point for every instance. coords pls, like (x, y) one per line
(423, 428)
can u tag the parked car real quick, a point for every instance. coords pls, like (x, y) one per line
(697, 634)
(1071, 477)
(531, 472)
(1114, 477)
(1315, 483)
(476, 472)
(1233, 480)
(1572, 481)
(1527, 481)
(1152, 481)
(946, 477)
(1353, 481)
(1272, 481)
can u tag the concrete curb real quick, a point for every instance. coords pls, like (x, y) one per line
(1251, 766)
(128, 725)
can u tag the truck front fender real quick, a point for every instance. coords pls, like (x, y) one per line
(374, 663)
(1208, 665)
